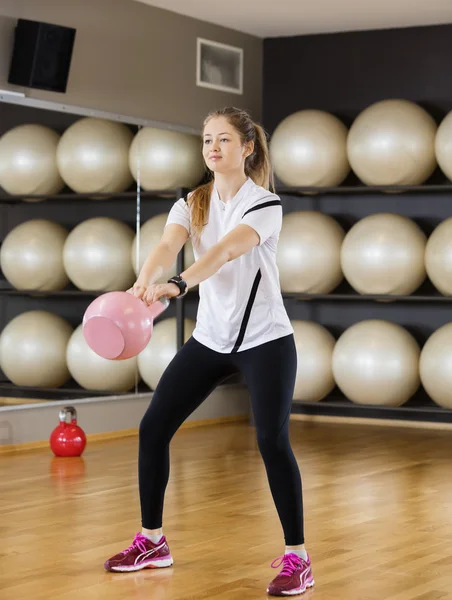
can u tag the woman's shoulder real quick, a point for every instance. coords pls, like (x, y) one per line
(259, 193)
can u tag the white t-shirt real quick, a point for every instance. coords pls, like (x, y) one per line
(241, 306)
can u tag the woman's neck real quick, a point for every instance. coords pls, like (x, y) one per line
(228, 185)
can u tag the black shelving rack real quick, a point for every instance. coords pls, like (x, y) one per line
(419, 408)
(71, 389)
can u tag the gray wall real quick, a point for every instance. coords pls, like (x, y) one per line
(134, 59)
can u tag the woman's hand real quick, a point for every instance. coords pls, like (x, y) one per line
(151, 293)
(156, 291)
(138, 289)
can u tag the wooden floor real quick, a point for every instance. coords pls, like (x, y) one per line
(378, 507)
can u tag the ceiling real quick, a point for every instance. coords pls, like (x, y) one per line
(274, 18)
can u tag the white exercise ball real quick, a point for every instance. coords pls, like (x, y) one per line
(392, 142)
(436, 366)
(438, 257)
(33, 349)
(31, 256)
(443, 145)
(384, 254)
(377, 362)
(93, 372)
(150, 235)
(309, 148)
(96, 255)
(28, 163)
(315, 345)
(308, 255)
(93, 156)
(161, 350)
(166, 159)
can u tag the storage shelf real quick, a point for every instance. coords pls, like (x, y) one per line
(418, 408)
(66, 293)
(92, 197)
(350, 297)
(364, 189)
(51, 293)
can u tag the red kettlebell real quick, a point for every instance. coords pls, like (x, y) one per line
(68, 439)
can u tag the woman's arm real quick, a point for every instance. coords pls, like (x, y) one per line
(240, 240)
(161, 258)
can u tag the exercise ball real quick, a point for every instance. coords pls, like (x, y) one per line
(384, 254)
(438, 257)
(31, 256)
(150, 235)
(377, 362)
(167, 159)
(160, 351)
(93, 372)
(435, 366)
(308, 255)
(315, 345)
(309, 148)
(443, 145)
(392, 142)
(33, 349)
(28, 163)
(96, 255)
(93, 156)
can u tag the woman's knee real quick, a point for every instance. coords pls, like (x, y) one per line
(152, 429)
(272, 441)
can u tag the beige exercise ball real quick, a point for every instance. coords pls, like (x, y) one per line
(150, 235)
(93, 372)
(392, 142)
(93, 156)
(160, 351)
(377, 362)
(315, 345)
(31, 256)
(308, 255)
(438, 257)
(28, 162)
(96, 255)
(436, 366)
(309, 148)
(33, 349)
(168, 159)
(443, 145)
(384, 254)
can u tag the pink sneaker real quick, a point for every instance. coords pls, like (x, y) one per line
(141, 554)
(295, 577)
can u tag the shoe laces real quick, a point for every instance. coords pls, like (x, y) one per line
(290, 561)
(138, 542)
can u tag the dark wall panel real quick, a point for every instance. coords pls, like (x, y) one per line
(345, 72)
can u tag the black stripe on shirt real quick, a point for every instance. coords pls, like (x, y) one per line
(264, 205)
(246, 316)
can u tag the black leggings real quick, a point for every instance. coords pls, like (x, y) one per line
(269, 371)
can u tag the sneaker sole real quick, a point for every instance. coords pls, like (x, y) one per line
(150, 564)
(301, 590)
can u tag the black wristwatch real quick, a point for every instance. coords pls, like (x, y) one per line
(181, 284)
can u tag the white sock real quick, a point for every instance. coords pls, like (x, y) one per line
(301, 553)
(155, 539)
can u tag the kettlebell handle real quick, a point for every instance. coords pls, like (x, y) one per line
(65, 411)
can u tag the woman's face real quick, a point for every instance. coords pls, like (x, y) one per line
(223, 150)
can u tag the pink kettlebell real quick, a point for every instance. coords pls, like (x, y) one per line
(118, 325)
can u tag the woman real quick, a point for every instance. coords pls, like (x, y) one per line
(242, 324)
